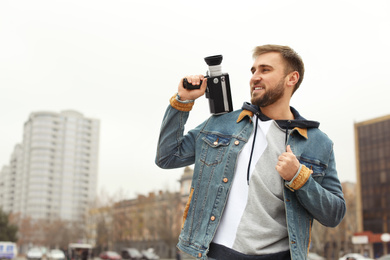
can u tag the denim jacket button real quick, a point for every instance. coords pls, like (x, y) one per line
(216, 142)
(236, 142)
(212, 218)
(225, 180)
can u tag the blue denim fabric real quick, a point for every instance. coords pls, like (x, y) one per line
(213, 147)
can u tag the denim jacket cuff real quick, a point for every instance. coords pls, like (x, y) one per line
(300, 178)
(185, 107)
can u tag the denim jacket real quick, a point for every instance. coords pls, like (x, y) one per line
(314, 193)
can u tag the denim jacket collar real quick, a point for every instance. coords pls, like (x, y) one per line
(299, 123)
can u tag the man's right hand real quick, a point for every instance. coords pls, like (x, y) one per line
(192, 94)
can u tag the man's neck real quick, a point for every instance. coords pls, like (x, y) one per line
(278, 112)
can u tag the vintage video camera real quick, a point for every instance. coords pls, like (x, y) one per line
(218, 87)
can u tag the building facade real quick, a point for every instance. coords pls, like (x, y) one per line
(147, 221)
(53, 173)
(372, 144)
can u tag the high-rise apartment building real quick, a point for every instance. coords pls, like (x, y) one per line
(372, 144)
(53, 173)
(10, 175)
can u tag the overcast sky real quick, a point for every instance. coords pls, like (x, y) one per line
(121, 61)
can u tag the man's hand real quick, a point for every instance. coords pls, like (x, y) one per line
(192, 94)
(287, 165)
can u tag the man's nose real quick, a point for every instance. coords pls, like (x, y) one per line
(255, 78)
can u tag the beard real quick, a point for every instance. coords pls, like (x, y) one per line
(270, 96)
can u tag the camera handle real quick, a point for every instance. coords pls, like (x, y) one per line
(189, 86)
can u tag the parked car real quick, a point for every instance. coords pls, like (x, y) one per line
(110, 255)
(131, 254)
(55, 254)
(354, 256)
(150, 254)
(384, 257)
(34, 253)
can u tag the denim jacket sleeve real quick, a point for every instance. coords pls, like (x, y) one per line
(322, 195)
(174, 149)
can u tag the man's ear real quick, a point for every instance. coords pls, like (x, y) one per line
(292, 78)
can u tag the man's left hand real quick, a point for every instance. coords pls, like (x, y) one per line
(287, 165)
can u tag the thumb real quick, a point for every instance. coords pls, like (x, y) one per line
(288, 149)
(203, 86)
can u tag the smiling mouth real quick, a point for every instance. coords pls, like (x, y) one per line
(258, 88)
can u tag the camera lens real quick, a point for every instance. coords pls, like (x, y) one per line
(213, 60)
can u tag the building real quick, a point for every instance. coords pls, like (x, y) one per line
(52, 174)
(372, 144)
(9, 177)
(147, 221)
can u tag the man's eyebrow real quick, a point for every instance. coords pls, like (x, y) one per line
(261, 66)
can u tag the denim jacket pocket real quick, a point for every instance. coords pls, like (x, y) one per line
(315, 165)
(213, 149)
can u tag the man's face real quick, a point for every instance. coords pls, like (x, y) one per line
(268, 79)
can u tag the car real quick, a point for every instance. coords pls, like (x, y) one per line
(110, 255)
(34, 253)
(149, 254)
(354, 256)
(55, 254)
(131, 254)
(384, 257)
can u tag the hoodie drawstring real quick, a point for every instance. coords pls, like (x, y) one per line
(287, 127)
(253, 147)
(253, 144)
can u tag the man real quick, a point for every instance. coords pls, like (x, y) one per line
(262, 173)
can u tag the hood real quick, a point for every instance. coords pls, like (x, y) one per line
(299, 121)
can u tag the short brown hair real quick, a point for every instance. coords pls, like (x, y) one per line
(292, 59)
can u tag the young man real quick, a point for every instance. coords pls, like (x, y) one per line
(262, 173)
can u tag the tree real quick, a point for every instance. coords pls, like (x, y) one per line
(8, 231)
(169, 211)
(102, 216)
(26, 230)
(59, 233)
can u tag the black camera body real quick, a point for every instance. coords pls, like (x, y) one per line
(219, 95)
(218, 87)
